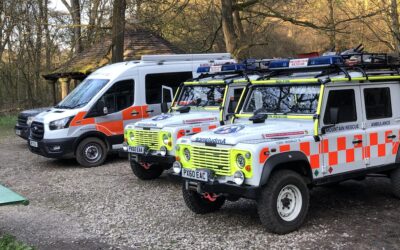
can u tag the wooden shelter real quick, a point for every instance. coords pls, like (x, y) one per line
(137, 42)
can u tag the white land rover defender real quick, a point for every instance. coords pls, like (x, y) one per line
(200, 105)
(90, 121)
(316, 121)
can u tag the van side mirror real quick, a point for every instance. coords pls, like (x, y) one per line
(101, 108)
(164, 107)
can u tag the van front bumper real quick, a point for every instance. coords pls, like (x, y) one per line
(22, 131)
(244, 191)
(52, 148)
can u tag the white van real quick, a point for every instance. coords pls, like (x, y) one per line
(90, 121)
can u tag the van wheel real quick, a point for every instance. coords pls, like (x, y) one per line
(395, 180)
(146, 171)
(201, 203)
(283, 203)
(91, 152)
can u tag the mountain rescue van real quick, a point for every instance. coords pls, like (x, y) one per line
(90, 121)
(200, 105)
(337, 123)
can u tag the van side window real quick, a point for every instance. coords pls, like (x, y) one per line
(345, 101)
(119, 96)
(155, 81)
(377, 103)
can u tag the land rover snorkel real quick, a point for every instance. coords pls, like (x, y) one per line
(89, 123)
(202, 104)
(317, 121)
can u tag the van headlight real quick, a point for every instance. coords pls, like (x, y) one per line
(61, 123)
(29, 120)
(240, 161)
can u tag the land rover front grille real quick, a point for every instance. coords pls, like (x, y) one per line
(216, 159)
(147, 138)
(37, 130)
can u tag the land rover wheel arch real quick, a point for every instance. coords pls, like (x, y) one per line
(283, 203)
(91, 152)
(286, 160)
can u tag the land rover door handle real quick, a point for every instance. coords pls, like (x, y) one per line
(134, 113)
(149, 111)
(391, 136)
(357, 141)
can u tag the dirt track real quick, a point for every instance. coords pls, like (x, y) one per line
(107, 207)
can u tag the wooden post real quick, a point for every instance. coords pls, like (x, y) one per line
(53, 88)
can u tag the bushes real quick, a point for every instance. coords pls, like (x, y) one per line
(9, 242)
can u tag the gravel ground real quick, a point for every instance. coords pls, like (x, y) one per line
(109, 208)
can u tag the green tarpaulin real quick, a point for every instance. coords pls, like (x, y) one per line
(8, 197)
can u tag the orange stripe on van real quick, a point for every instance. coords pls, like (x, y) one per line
(80, 119)
(127, 113)
(111, 128)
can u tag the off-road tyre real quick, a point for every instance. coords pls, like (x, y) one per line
(199, 205)
(395, 181)
(153, 172)
(91, 152)
(267, 203)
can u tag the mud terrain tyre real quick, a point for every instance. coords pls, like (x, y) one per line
(283, 203)
(395, 181)
(200, 205)
(91, 152)
(152, 172)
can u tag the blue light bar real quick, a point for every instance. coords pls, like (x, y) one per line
(222, 68)
(325, 60)
(281, 63)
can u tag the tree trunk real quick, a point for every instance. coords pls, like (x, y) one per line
(228, 27)
(118, 30)
(47, 34)
(332, 25)
(93, 12)
(394, 16)
(76, 19)
(38, 50)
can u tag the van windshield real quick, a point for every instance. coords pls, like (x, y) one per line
(201, 95)
(296, 99)
(82, 94)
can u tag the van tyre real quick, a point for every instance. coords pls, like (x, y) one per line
(91, 152)
(395, 180)
(146, 173)
(283, 202)
(200, 205)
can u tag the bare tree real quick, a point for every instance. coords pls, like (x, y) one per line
(118, 30)
(75, 11)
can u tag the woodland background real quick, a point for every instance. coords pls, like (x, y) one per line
(35, 38)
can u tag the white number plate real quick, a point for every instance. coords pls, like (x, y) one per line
(195, 174)
(215, 68)
(136, 150)
(33, 144)
(18, 132)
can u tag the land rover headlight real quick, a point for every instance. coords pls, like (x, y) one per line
(240, 161)
(166, 139)
(60, 124)
(177, 167)
(131, 136)
(186, 153)
(163, 151)
(238, 177)
(29, 120)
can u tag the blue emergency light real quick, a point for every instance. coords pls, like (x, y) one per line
(232, 67)
(304, 62)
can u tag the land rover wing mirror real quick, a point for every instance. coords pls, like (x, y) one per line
(166, 97)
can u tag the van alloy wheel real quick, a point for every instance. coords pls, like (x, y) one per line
(91, 152)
